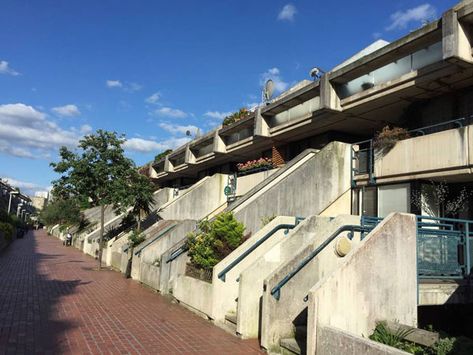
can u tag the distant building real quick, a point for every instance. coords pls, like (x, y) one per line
(39, 202)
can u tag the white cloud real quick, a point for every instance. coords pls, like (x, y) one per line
(66, 110)
(217, 115)
(132, 87)
(26, 132)
(145, 145)
(114, 83)
(128, 87)
(274, 74)
(400, 19)
(85, 129)
(178, 129)
(153, 99)
(287, 13)
(170, 112)
(6, 69)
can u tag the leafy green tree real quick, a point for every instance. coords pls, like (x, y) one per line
(99, 173)
(64, 212)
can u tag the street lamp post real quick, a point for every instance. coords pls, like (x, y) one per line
(9, 201)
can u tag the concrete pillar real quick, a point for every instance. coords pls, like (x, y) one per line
(456, 41)
(261, 126)
(328, 96)
(168, 167)
(219, 145)
(189, 157)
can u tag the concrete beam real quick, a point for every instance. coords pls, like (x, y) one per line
(456, 41)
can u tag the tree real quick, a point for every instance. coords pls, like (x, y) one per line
(99, 173)
(141, 202)
(64, 212)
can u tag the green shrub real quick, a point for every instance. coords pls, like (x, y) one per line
(136, 238)
(214, 240)
(7, 230)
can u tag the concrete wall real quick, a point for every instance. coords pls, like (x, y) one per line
(225, 292)
(278, 316)
(377, 281)
(247, 182)
(198, 201)
(147, 258)
(170, 272)
(250, 290)
(305, 187)
(90, 245)
(186, 287)
(332, 341)
(427, 156)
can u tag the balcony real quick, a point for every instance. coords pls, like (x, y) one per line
(431, 156)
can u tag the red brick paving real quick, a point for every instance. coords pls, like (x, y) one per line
(53, 302)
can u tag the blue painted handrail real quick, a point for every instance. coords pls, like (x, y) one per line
(176, 253)
(159, 236)
(276, 290)
(221, 274)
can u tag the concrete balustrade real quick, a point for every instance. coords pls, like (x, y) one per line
(279, 316)
(147, 256)
(376, 281)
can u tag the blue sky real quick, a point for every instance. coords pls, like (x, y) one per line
(154, 69)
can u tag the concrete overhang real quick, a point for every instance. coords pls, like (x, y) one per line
(415, 40)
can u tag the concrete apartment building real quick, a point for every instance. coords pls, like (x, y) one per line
(347, 211)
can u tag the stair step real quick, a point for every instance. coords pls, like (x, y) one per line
(231, 318)
(291, 345)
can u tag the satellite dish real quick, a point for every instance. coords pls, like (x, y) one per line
(268, 90)
(316, 73)
(188, 133)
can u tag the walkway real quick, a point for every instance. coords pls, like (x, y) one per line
(53, 301)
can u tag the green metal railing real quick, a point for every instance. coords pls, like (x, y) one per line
(176, 253)
(157, 237)
(286, 226)
(276, 290)
(362, 160)
(443, 248)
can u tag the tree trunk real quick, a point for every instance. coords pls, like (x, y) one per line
(102, 222)
(131, 250)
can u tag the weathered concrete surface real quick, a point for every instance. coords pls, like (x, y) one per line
(376, 281)
(225, 292)
(247, 182)
(438, 292)
(90, 240)
(332, 341)
(306, 186)
(278, 315)
(197, 201)
(194, 293)
(426, 156)
(250, 290)
(170, 271)
(147, 258)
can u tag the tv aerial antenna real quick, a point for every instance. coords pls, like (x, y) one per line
(268, 90)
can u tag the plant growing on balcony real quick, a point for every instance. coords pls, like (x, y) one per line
(214, 240)
(387, 138)
(255, 164)
(236, 116)
(161, 155)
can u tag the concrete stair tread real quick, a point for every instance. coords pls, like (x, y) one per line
(291, 345)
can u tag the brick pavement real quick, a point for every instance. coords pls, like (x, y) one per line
(52, 301)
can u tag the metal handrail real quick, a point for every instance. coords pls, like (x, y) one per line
(276, 290)
(176, 253)
(159, 236)
(372, 179)
(221, 274)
